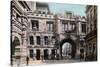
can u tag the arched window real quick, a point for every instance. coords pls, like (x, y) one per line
(16, 41)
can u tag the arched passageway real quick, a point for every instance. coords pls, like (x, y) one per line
(67, 48)
(14, 44)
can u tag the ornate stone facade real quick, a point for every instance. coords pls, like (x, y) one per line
(91, 37)
(38, 34)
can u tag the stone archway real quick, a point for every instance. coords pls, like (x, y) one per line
(15, 43)
(72, 45)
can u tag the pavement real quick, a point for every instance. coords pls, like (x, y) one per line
(55, 61)
(42, 62)
(61, 61)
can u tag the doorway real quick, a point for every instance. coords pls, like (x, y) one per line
(46, 54)
(38, 54)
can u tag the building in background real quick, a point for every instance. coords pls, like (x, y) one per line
(91, 27)
(38, 35)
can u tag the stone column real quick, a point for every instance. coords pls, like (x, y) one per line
(35, 41)
(34, 54)
(41, 54)
(24, 49)
(49, 52)
(34, 6)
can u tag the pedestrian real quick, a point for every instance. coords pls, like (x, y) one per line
(27, 60)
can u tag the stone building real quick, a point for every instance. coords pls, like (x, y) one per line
(19, 31)
(38, 35)
(91, 37)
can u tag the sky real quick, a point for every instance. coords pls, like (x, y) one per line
(77, 9)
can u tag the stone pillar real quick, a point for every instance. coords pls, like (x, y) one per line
(49, 52)
(40, 54)
(24, 49)
(42, 40)
(34, 54)
(34, 6)
(49, 37)
(35, 41)
(30, 25)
